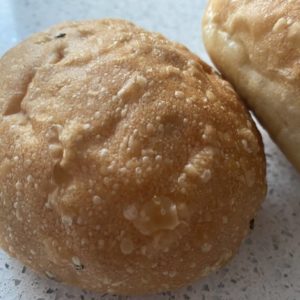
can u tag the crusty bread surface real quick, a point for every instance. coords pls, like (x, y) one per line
(255, 45)
(127, 165)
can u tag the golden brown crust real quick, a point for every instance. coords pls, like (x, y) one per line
(127, 164)
(255, 44)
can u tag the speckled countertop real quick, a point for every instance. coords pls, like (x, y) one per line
(268, 264)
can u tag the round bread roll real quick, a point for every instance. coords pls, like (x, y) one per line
(255, 45)
(127, 165)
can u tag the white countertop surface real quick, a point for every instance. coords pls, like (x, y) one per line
(268, 264)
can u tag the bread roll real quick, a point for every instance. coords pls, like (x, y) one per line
(127, 165)
(255, 45)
